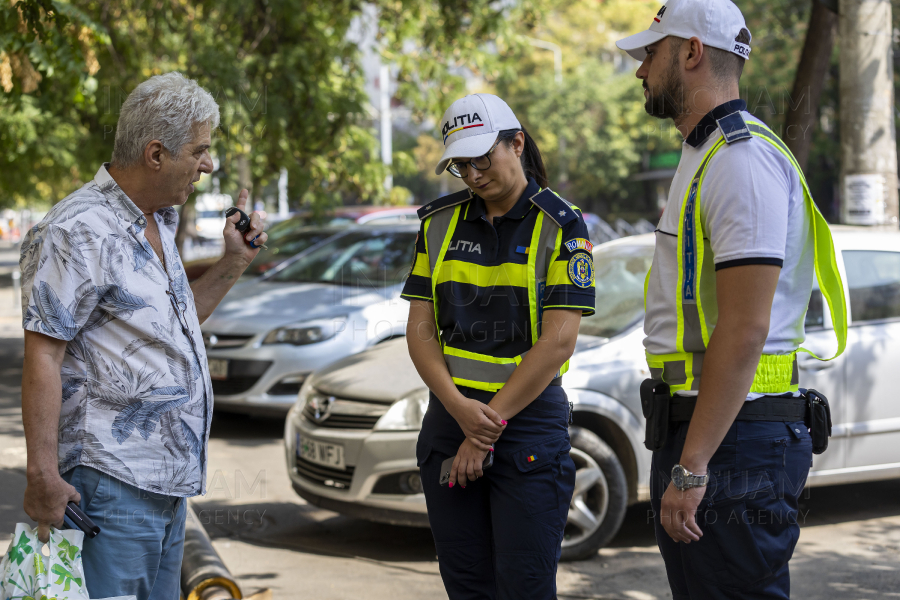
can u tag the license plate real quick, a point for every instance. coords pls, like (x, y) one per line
(321, 453)
(218, 368)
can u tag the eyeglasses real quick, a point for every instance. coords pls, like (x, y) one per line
(481, 163)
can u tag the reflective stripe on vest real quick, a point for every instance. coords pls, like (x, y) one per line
(775, 373)
(471, 369)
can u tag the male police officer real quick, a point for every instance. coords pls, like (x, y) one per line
(726, 295)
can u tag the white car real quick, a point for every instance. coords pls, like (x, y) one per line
(210, 215)
(350, 438)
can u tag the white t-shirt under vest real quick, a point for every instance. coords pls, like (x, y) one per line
(752, 211)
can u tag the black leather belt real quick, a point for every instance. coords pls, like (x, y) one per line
(767, 408)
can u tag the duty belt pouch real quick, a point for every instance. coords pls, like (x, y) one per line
(818, 417)
(655, 406)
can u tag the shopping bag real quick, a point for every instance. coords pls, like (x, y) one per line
(28, 574)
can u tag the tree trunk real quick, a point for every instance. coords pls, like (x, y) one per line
(810, 79)
(186, 223)
(868, 134)
(245, 178)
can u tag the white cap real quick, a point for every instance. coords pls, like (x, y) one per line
(716, 23)
(470, 127)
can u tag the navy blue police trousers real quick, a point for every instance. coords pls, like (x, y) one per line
(749, 516)
(499, 537)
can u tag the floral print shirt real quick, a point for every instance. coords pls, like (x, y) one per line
(136, 393)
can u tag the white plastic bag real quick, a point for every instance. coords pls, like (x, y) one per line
(27, 574)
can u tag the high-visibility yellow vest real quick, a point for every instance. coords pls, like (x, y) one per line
(471, 369)
(775, 373)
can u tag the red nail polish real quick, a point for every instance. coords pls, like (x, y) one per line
(503, 422)
(451, 484)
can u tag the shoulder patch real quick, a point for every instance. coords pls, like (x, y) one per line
(444, 202)
(581, 270)
(734, 128)
(579, 244)
(554, 207)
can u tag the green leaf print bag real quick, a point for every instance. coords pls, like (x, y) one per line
(29, 574)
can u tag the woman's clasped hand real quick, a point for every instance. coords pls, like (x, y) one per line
(480, 423)
(467, 465)
(482, 427)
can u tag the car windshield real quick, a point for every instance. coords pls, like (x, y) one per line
(284, 227)
(620, 273)
(285, 245)
(358, 259)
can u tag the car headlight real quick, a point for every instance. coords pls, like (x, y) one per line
(305, 390)
(299, 404)
(405, 414)
(308, 332)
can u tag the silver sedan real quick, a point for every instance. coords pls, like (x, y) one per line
(337, 298)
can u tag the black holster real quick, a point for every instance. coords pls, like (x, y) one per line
(818, 420)
(655, 399)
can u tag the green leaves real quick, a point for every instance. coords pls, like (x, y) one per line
(287, 75)
(597, 114)
(47, 63)
(21, 550)
(433, 42)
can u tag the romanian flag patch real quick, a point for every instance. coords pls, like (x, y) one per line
(580, 244)
(532, 458)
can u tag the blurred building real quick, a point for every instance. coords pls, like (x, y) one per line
(656, 177)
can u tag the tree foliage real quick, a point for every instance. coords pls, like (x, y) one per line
(287, 75)
(48, 65)
(289, 79)
(435, 44)
(598, 111)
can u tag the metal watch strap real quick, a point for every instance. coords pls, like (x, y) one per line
(692, 481)
(688, 478)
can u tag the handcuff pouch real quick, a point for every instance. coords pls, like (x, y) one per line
(818, 420)
(655, 399)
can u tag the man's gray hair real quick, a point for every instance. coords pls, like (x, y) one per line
(165, 108)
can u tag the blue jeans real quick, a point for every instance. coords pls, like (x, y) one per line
(138, 551)
(748, 516)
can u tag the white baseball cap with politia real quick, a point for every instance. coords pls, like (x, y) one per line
(716, 23)
(471, 126)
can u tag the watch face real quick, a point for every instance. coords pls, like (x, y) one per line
(678, 477)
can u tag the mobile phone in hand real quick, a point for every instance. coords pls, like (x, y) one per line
(447, 465)
(81, 520)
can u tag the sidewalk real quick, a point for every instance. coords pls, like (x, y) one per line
(12, 437)
(10, 309)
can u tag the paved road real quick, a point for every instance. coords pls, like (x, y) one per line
(849, 547)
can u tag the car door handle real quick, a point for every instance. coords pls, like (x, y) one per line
(815, 365)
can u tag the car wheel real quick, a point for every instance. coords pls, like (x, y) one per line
(600, 499)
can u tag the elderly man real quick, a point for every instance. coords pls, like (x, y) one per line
(116, 394)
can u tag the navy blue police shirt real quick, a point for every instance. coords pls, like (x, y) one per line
(495, 319)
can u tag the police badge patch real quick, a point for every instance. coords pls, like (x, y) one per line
(581, 270)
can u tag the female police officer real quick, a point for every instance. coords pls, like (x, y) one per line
(502, 275)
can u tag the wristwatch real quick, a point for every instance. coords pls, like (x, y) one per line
(684, 479)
